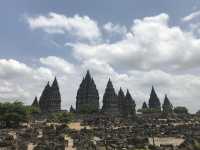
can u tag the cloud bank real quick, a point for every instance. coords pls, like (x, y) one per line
(149, 52)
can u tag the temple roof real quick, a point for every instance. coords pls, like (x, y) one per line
(154, 101)
(88, 76)
(129, 97)
(144, 105)
(35, 102)
(87, 87)
(166, 101)
(55, 83)
(121, 93)
(109, 85)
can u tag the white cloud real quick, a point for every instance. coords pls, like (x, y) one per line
(58, 64)
(191, 16)
(7, 66)
(111, 28)
(20, 81)
(150, 52)
(151, 44)
(81, 27)
(182, 89)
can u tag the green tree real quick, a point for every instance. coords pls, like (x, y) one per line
(62, 117)
(13, 113)
(181, 110)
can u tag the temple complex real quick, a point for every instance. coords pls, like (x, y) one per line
(115, 126)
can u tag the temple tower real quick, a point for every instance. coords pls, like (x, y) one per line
(121, 101)
(50, 99)
(87, 99)
(144, 106)
(130, 105)
(35, 103)
(167, 106)
(154, 102)
(55, 97)
(110, 101)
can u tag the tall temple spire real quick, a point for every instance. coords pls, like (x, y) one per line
(121, 101)
(154, 102)
(110, 100)
(130, 105)
(167, 106)
(55, 90)
(88, 76)
(50, 99)
(110, 89)
(88, 79)
(55, 83)
(35, 102)
(87, 99)
(121, 93)
(109, 84)
(72, 110)
(128, 95)
(144, 105)
(47, 86)
(45, 93)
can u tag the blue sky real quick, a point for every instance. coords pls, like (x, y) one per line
(34, 43)
(138, 43)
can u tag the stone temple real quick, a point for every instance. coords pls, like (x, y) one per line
(110, 101)
(154, 102)
(50, 99)
(118, 104)
(87, 99)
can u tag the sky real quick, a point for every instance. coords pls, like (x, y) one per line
(136, 43)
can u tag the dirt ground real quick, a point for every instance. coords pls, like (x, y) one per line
(77, 126)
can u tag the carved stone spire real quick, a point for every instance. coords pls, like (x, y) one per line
(121, 101)
(110, 100)
(55, 83)
(45, 93)
(72, 110)
(50, 99)
(87, 99)
(109, 92)
(55, 92)
(130, 105)
(144, 106)
(154, 102)
(35, 102)
(88, 77)
(121, 93)
(167, 106)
